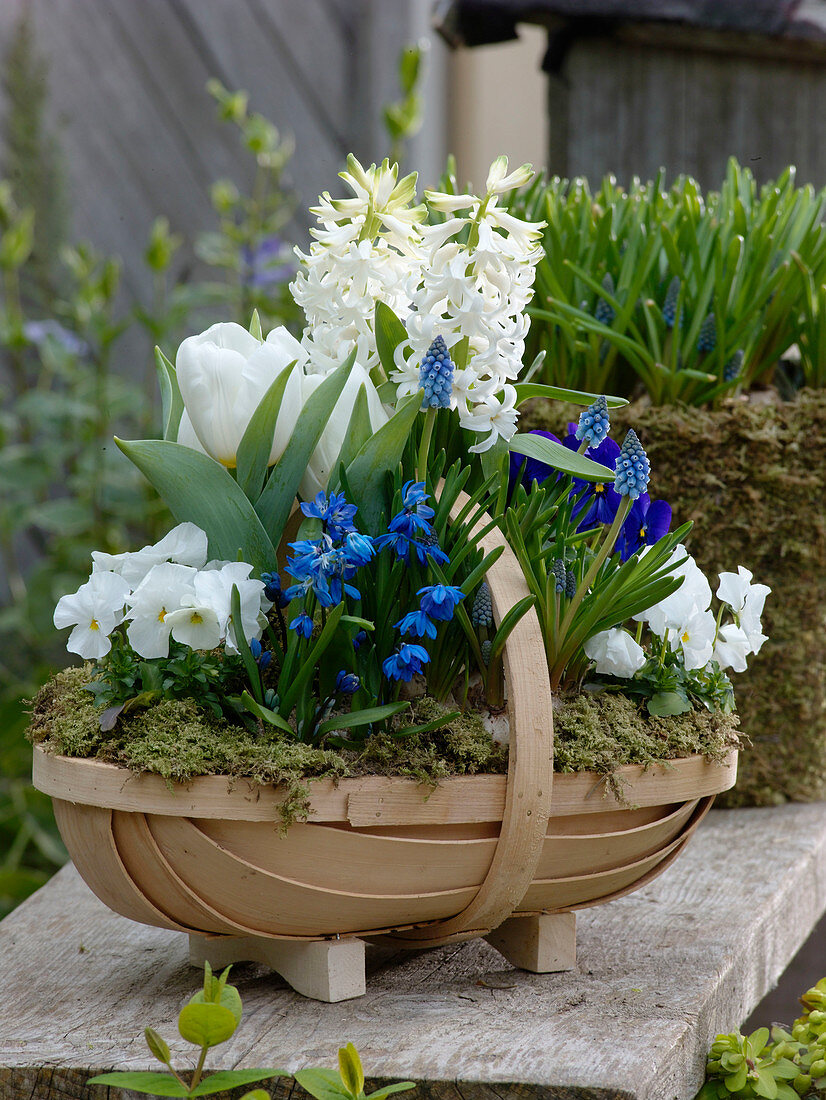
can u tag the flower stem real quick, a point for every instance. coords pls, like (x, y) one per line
(199, 1069)
(424, 445)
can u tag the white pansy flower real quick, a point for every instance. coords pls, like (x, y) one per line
(223, 374)
(162, 591)
(185, 544)
(195, 625)
(615, 653)
(732, 647)
(746, 601)
(693, 594)
(213, 589)
(695, 637)
(94, 611)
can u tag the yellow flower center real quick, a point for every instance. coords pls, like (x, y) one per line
(642, 532)
(94, 625)
(161, 614)
(685, 636)
(599, 487)
(196, 618)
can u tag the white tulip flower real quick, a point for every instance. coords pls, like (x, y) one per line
(223, 375)
(615, 653)
(163, 590)
(695, 637)
(94, 611)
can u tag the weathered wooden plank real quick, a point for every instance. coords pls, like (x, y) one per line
(666, 967)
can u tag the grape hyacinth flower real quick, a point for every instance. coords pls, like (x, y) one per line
(707, 338)
(570, 584)
(481, 614)
(439, 601)
(647, 522)
(436, 376)
(604, 312)
(633, 468)
(558, 570)
(670, 304)
(486, 646)
(405, 662)
(733, 368)
(594, 423)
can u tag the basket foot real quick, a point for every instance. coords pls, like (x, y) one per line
(326, 970)
(543, 944)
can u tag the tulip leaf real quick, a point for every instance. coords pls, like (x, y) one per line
(526, 390)
(366, 474)
(253, 453)
(153, 1084)
(172, 403)
(358, 432)
(390, 332)
(560, 457)
(276, 501)
(199, 490)
(255, 326)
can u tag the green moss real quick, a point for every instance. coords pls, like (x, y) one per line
(751, 476)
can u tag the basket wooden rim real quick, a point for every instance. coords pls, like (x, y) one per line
(370, 800)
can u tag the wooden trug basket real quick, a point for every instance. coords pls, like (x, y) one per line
(506, 857)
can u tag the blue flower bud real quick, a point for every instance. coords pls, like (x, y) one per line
(347, 683)
(570, 583)
(670, 304)
(733, 366)
(486, 648)
(359, 639)
(707, 338)
(558, 570)
(594, 423)
(436, 376)
(633, 468)
(604, 312)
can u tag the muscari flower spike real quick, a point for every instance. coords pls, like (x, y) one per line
(594, 423)
(670, 304)
(604, 312)
(707, 339)
(558, 570)
(436, 376)
(633, 468)
(570, 583)
(733, 366)
(486, 647)
(481, 614)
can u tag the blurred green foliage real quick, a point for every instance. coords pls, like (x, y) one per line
(665, 291)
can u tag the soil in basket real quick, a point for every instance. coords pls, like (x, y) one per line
(178, 740)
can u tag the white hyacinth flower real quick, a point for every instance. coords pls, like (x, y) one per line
(94, 611)
(615, 653)
(162, 591)
(493, 416)
(695, 637)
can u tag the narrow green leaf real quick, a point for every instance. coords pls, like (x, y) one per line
(253, 454)
(157, 1045)
(253, 675)
(153, 1084)
(234, 1078)
(390, 332)
(361, 717)
(427, 727)
(359, 431)
(276, 500)
(172, 403)
(206, 1025)
(311, 661)
(198, 489)
(527, 390)
(381, 453)
(560, 457)
(265, 714)
(255, 326)
(389, 1090)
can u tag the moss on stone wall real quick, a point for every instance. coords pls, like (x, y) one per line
(752, 477)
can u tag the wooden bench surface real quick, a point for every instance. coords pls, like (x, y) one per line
(659, 973)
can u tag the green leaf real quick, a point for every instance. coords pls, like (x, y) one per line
(352, 1074)
(265, 714)
(527, 390)
(172, 403)
(206, 1025)
(154, 1084)
(234, 1078)
(255, 326)
(226, 995)
(434, 724)
(765, 1085)
(561, 458)
(311, 661)
(323, 1084)
(359, 431)
(256, 1094)
(198, 489)
(157, 1046)
(736, 1081)
(361, 717)
(388, 1090)
(276, 500)
(381, 453)
(390, 332)
(243, 646)
(253, 454)
(666, 703)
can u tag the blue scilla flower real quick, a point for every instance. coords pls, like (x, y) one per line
(604, 312)
(439, 601)
(273, 590)
(707, 338)
(415, 514)
(405, 662)
(358, 549)
(594, 423)
(670, 304)
(261, 656)
(645, 524)
(334, 512)
(633, 468)
(416, 623)
(347, 683)
(302, 624)
(359, 640)
(436, 376)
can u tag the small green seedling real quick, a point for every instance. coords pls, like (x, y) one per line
(347, 1083)
(210, 1018)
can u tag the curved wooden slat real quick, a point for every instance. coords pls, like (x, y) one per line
(87, 834)
(277, 905)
